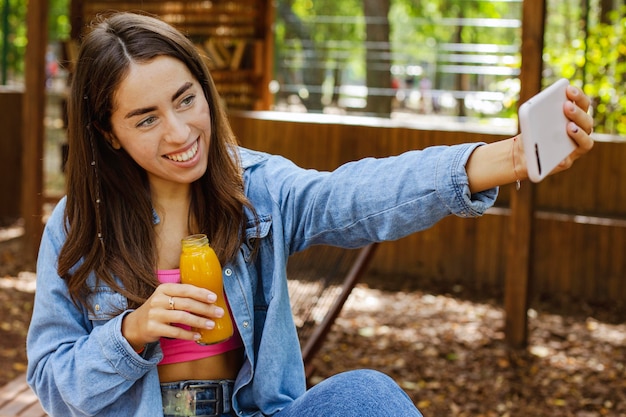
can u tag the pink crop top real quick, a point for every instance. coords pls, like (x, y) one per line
(177, 350)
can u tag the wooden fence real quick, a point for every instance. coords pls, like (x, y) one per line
(579, 238)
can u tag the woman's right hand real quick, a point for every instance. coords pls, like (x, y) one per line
(171, 303)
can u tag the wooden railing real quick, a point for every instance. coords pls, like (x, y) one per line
(579, 221)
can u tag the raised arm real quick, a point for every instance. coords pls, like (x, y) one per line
(503, 162)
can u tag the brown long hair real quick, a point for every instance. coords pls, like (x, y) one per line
(109, 215)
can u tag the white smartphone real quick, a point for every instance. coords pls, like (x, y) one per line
(544, 130)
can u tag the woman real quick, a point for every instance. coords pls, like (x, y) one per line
(152, 160)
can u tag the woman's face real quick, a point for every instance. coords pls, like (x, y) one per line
(162, 119)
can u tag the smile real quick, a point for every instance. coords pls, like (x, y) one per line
(184, 156)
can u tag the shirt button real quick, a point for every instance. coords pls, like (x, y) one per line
(246, 323)
(97, 307)
(228, 272)
(178, 395)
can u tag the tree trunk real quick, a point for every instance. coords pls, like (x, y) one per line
(377, 57)
(606, 7)
(462, 80)
(312, 70)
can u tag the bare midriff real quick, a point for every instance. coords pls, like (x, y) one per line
(223, 366)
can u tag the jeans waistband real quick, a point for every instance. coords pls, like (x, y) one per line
(201, 398)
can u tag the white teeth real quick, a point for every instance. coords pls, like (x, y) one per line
(185, 156)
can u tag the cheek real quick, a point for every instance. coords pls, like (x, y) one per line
(204, 123)
(139, 150)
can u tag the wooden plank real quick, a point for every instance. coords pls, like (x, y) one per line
(32, 128)
(519, 248)
(12, 389)
(34, 410)
(247, 69)
(10, 149)
(183, 10)
(18, 400)
(264, 53)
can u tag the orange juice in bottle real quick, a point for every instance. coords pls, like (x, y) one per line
(199, 266)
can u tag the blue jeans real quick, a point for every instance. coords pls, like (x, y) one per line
(360, 393)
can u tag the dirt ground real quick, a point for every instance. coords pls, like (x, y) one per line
(448, 353)
(17, 287)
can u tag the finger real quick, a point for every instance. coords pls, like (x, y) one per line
(177, 331)
(576, 95)
(185, 318)
(582, 139)
(184, 325)
(182, 334)
(187, 291)
(194, 307)
(578, 116)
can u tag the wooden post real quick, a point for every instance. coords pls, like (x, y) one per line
(32, 129)
(520, 248)
(76, 18)
(267, 56)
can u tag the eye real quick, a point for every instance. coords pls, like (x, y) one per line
(188, 100)
(147, 122)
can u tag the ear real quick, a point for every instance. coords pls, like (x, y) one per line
(109, 137)
(115, 144)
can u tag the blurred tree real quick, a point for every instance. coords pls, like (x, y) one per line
(606, 72)
(13, 39)
(310, 39)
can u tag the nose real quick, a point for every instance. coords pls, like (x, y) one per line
(176, 128)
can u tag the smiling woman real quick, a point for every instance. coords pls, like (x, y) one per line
(152, 159)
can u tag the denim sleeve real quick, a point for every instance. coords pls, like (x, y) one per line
(453, 184)
(74, 367)
(374, 199)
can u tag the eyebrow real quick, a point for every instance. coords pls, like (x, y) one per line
(144, 110)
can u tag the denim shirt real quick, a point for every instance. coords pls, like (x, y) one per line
(81, 365)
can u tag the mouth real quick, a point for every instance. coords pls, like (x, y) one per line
(184, 156)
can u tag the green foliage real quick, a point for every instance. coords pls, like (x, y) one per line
(318, 43)
(332, 26)
(15, 36)
(58, 21)
(16, 32)
(606, 69)
(593, 54)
